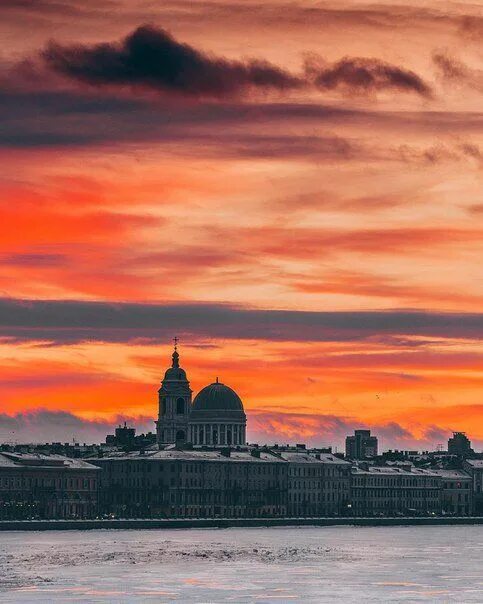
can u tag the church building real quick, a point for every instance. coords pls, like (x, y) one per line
(215, 417)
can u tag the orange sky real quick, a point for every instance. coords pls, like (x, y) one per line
(312, 157)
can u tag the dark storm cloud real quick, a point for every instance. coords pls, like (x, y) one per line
(355, 75)
(151, 57)
(75, 321)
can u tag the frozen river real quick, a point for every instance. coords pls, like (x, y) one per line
(333, 564)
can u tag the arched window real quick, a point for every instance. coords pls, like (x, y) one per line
(163, 406)
(180, 406)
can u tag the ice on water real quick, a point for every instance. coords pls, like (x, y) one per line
(345, 564)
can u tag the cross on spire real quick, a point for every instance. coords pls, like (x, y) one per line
(175, 355)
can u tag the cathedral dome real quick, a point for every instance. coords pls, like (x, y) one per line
(217, 397)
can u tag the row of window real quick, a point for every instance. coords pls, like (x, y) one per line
(322, 470)
(395, 482)
(397, 494)
(66, 483)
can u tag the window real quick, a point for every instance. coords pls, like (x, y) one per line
(180, 406)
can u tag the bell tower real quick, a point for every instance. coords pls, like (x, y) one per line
(174, 403)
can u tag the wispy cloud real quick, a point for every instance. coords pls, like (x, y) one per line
(355, 75)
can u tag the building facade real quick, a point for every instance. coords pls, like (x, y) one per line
(474, 467)
(194, 484)
(390, 490)
(318, 484)
(47, 486)
(456, 492)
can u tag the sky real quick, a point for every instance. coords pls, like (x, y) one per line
(292, 188)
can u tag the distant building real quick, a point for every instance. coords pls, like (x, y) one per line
(460, 445)
(456, 492)
(123, 436)
(392, 490)
(361, 445)
(215, 417)
(47, 486)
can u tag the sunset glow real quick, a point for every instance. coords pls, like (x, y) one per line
(302, 208)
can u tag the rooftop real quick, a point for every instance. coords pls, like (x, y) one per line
(306, 457)
(475, 463)
(457, 474)
(194, 455)
(393, 471)
(43, 461)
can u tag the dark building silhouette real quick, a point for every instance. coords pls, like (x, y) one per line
(459, 444)
(215, 417)
(174, 399)
(123, 436)
(361, 445)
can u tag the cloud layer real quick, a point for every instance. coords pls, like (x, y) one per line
(151, 57)
(74, 321)
(354, 75)
(40, 426)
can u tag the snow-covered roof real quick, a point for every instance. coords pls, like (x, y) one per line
(43, 461)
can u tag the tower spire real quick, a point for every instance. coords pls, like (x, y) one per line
(175, 355)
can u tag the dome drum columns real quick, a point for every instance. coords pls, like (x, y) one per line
(217, 434)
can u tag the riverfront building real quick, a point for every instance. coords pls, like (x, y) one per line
(47, 486)
(389, 490)
(190, 483)
(474, 467)
(318, 484)
(456, 492)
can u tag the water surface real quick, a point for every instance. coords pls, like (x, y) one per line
(272, 565)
